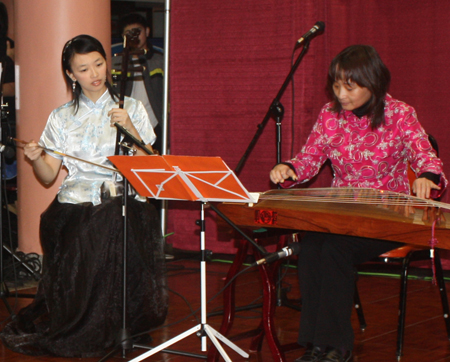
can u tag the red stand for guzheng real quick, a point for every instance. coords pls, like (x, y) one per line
(266, 328)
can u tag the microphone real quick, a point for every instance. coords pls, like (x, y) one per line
(291, 249)
(318, 28)
(8, 151)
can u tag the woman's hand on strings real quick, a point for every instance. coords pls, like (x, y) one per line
(282, 172)
(422, 187)
(121, 117)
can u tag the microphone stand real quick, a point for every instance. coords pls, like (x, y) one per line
(276, 110)
(4, 290)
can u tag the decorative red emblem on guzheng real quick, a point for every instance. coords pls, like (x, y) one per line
(266, 217)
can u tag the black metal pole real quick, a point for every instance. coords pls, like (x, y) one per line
(274, 106)
(124, 337)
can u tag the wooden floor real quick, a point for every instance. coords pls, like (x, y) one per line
(425, 332)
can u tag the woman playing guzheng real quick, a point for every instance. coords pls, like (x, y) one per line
(77, 311)
(370, 139)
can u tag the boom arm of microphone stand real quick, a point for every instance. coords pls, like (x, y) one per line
(140, 144)
(234, 226)
(273, 106)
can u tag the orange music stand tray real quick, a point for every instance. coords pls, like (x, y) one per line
(192, 178)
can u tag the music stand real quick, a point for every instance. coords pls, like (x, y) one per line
(204, 179)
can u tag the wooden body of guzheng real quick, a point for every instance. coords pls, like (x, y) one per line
(368, 213)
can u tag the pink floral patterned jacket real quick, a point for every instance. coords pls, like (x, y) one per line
(362, 157)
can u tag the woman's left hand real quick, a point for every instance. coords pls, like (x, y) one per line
(422, 187)
(121, 117)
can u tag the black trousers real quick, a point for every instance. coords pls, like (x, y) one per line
(326, 268)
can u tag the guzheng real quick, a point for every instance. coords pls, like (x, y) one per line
(362, 212)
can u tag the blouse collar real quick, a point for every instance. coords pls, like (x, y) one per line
(99, 103)
(362, 110)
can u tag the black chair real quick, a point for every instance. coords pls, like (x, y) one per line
(404, 256)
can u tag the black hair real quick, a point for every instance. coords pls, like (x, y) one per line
(362, 65)
(4, 32)
(3, 21)
(82, 44)
(130, 19)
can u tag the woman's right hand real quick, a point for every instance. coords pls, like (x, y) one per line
(32, 150)
(45, 166)
(282, 172)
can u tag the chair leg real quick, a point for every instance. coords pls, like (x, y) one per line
(402, 305)
(442, 290)
(359, 309)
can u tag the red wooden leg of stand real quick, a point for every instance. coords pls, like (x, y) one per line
(229, 297)
(257, 340)
(269, 304)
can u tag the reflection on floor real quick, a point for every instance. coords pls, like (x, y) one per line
(425, 337)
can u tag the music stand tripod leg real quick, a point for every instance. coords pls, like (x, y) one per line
(214, 335)
(167, 343)
(211, 332)
(203, 330)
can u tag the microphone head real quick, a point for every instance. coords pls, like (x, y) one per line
(320, 26)
(295, 247)
(8, 152)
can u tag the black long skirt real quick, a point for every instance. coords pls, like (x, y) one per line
(77, 311)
